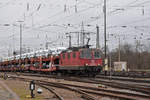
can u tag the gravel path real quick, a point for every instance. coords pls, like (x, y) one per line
(6, 93)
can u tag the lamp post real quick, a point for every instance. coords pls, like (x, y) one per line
(105, 45)
(20, 41)
(104, 9)
(20, 34)
(20, 38)
(119, 50)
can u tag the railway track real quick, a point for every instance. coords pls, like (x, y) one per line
(104, 92)
(84, 94)
(121, 85)
(52, 91)
(130, 74)
(94, 91)
(49, 85)
(130, 86)
(124, 79)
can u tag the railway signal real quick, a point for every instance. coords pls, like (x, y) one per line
(32, 88)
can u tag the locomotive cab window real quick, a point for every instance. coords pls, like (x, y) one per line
(68, 55)
(82, 54)
(86, 54)
(97, 54)
(74, 55)
(63, 56)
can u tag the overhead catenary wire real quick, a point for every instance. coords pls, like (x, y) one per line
(59, 12)
(116, 11)
(7, 3)
(138, 3)
(71, 15)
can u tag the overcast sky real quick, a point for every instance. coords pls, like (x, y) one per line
(49, 20)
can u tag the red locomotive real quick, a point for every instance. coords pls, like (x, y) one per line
(75, 60)
(81, 60)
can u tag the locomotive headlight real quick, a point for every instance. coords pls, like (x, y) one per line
(86, 64)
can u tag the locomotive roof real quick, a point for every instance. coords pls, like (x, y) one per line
(76, 48)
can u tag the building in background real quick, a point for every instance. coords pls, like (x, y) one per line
(120, 66)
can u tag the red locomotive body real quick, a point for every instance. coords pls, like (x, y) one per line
(83, 60)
